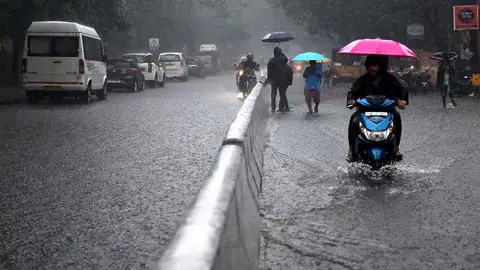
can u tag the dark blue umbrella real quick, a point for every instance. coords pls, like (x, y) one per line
(442, 56)
(277, 37)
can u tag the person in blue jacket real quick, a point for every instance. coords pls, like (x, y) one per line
(313, 77)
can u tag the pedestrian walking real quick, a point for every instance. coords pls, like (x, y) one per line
(313, 77)
(444, 79)
(327, 74)
(289, 81)
(276, 76)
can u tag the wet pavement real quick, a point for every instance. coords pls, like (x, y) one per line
(103, 186)
(321, 213)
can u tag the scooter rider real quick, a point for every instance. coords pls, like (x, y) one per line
(239, 67)
(377, 81)
(250, 63)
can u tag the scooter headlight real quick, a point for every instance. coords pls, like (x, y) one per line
(376, 136)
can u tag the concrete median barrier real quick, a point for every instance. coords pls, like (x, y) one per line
(222, 228)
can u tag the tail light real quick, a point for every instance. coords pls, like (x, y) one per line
(131, 71)
(81, 66)
(24, 65)
(150, 67)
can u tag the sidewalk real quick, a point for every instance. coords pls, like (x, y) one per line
(12, 94)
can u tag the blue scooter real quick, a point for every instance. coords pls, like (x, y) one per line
(376, 144)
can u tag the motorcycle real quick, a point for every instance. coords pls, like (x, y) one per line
(424, 84)
(376, 144)
(463, 86)
(247, 80)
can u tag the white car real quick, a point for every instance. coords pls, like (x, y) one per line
(154, 74)
(175, 64)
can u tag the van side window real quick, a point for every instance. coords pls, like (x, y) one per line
(93, 49)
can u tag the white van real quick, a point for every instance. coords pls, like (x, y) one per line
(175, 65)
(63, 59)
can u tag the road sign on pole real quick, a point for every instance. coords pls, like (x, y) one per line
(154, 44)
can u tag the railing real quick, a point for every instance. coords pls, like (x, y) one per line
(222, 228)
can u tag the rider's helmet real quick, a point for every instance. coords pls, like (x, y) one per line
(243, 59)
(250, 57)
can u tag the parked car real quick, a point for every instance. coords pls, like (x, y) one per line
(124, 74)
(63, 59)
(154, 74)
(175, 65)
(196, 67)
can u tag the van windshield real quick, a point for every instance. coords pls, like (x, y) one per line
(53, 46)
(170, 58)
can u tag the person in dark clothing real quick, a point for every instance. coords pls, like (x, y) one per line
(445, 89)
(377, 81)
(289, 81)
(250, 63)
(276, 76)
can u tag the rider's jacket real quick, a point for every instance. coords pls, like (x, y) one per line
(250, 64)
(385, 84)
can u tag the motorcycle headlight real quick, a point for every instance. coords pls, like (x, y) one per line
(240, 73)
(376, 136)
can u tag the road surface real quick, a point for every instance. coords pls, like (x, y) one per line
(320, 213)
(103, 186)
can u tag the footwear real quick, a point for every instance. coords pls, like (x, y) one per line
(349, 156)
(398, 155)
(316, 108)
(309, 112)
(273, 110)
(281, 110)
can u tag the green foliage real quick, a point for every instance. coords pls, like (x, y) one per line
(127, 24)
(351, 19)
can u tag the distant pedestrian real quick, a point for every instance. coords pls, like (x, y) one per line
(289, 81)
(276, 76)
(313, 78)
(327, 74)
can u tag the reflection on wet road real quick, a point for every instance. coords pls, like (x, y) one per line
(102, 186)
(320, 213)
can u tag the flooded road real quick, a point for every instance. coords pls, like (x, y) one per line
(321, 213)
(102, 186)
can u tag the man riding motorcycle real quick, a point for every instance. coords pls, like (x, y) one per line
(247, 66)
(377, 81)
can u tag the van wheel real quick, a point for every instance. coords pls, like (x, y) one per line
(85, 96)
(102, 94)
(32, 97)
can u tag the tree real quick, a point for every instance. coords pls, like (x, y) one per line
(352, 19)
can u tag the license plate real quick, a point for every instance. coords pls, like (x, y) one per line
(376, 113)
(52, 88)
(113, 81)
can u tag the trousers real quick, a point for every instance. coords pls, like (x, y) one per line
(280, 87)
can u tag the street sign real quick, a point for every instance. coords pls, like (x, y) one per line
(465, 18)
(154, 44)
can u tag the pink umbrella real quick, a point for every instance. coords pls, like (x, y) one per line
(377, 46)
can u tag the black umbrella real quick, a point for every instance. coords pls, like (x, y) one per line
(442, 56)
(277, 37)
